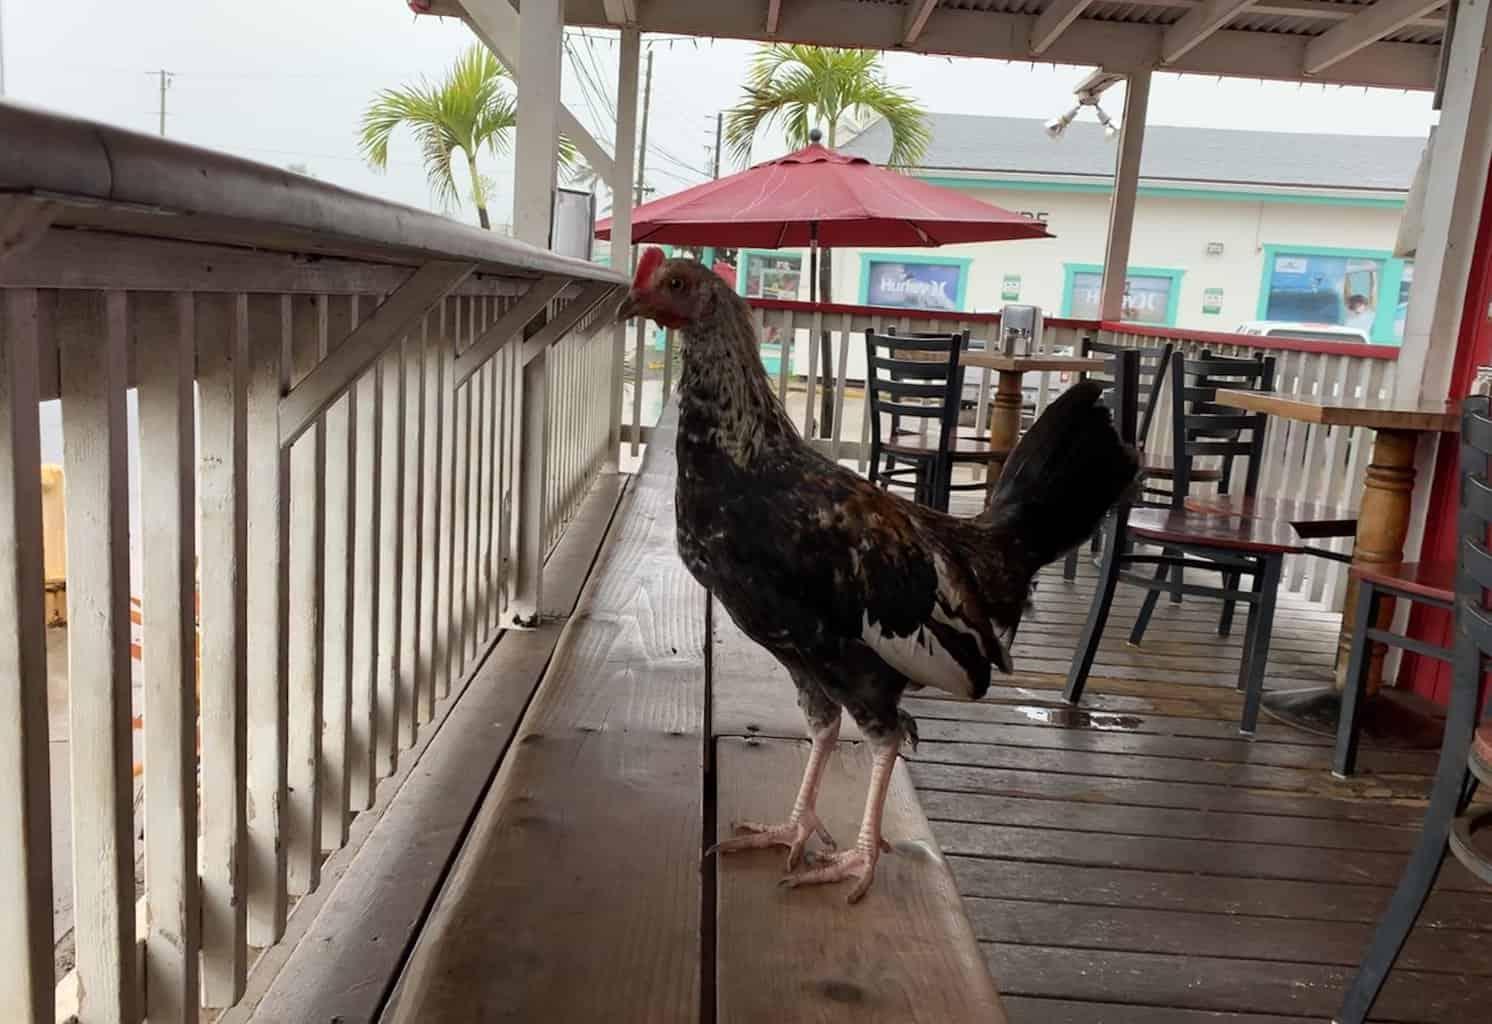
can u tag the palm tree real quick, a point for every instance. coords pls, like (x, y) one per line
(808, 87)
(471, 109)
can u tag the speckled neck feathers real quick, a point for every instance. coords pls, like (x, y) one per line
(725, 397)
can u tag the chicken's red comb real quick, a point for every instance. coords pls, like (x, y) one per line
(647, 265)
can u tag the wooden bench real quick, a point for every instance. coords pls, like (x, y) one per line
(581, 893)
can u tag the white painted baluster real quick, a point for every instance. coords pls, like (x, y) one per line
(336, 655)
(390, 561)
(841, 382)
(488, 463)
(639, 366)
(268, 480)
(476, 613)
(165, 361)
(410, 681)
(26, 964)
(222, 499)
(437, 368)
(461, 402)
(92, 338)
(306, 571)
(362, 780)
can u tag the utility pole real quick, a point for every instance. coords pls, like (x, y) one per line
(719, 123)
(642, 142)
(165, 81)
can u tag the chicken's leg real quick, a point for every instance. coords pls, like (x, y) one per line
(858, 863)
(804, 820)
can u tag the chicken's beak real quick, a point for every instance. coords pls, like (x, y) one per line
(629, 307)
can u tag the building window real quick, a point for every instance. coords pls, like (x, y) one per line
(770, 275)
(921, 282)
(1366, 291)
(1151, 296)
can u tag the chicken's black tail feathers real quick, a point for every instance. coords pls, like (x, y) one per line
(1063, 477)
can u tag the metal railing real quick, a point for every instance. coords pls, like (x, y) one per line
(336, 455)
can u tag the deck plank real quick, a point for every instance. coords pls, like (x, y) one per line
(904, 954)
(607, 765)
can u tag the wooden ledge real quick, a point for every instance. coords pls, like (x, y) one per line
(905, 953)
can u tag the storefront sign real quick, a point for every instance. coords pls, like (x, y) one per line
(914, 285)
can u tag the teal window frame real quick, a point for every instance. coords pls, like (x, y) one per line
(743, 259)
(1070, 272)
(962, 262)
(1388, 288)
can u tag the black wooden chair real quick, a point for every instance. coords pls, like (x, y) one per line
(1152, 375)
(1201, 429)
(1209, 541)
(1466, 751)
(918, 377)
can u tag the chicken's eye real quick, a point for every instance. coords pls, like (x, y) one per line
(676, 283)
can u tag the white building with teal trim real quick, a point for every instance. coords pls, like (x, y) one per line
(1230, 226)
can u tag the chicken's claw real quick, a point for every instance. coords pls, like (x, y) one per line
(858, 864)
(793, 833)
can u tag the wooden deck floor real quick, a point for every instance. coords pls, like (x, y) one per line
(1138, 862)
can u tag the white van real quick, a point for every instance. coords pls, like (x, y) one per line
(1303, 332)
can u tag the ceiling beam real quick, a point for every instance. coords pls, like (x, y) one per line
(918, 11)
(1198, 23)
(774, 16)
(495, 23)
(621, 12)
(960, 32)
(1053, 21)
(1343, 40)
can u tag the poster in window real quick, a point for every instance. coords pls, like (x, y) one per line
(1147, 297)
(773, 275)
(913, 285)
(1316, 289)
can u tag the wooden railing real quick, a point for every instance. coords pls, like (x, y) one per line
(1303, 462)
(350, 413)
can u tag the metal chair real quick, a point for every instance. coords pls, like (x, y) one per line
(1466, 751)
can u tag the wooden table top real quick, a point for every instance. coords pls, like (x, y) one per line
(1021, 364)
(1439, 417)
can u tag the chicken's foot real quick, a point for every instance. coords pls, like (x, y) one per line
(802, 823)
(858, 863)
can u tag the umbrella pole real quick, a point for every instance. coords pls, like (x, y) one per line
(826, 410)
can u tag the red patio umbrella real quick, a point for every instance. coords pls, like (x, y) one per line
(818, 197)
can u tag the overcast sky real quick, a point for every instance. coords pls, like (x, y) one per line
(284, 81)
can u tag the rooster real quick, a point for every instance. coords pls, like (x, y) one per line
(859, 593)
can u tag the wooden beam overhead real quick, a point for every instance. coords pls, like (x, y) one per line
(495, 23)
(1199, 23)
(621, 12)
(1053, 21)
(1344, 39)
(774, 15)
(1119, 47)
(918, 11)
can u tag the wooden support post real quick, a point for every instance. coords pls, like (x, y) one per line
(92, 340)
(621, 219)
(165, 361)
(26, 964)
(222, 382)
(268, 608)
(540, 28)
(1122, 201)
